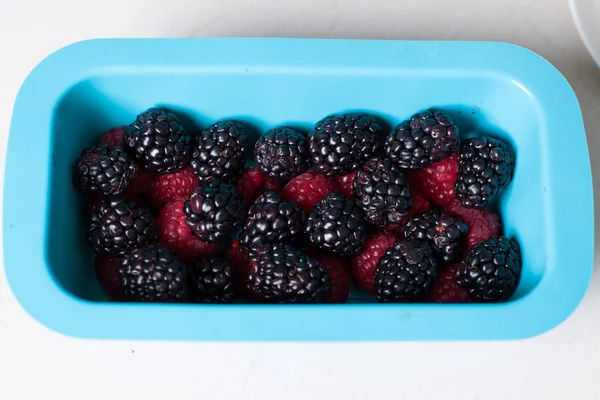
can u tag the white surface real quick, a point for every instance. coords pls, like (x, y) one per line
(38, 363)
(586, 16)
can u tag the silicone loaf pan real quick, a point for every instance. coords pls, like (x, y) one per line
(83, 89)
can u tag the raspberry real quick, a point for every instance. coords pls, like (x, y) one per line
(309, 188)
(346, 184)
(363, 265)
(107, 273)
(338, 272)
(254, 182)
(169, 187)
(446, 290)
(241, 262)
(141, 183)
(113, 137)
(483, 224)
(176, 235)
(436, 181)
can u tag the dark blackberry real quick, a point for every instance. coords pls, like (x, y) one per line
(153, 274)
(381, 190)
(405, 272)
(279, 273)
(102, 169)
(337, 225)
(272, 220)
(158, 141)
(214, 210)
(339, 144)
(425, 139)
(212, 281)
(492, 270)
(220, 152)
(485, 168)
(282, 153)
(445, 232)
(117, 225)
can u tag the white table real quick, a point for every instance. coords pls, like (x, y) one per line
(37, 363)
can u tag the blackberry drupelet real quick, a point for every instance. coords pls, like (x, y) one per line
(339, 144)
(271, 219)
(280, 273)
(158, 141)
(405, 272)
(212, 281)
(485, 168)
(214, 210)
(220, 152)
(104, 170)
(492, 270)
(381, 190)
(117, 225)
(337, 225)
(445, 232)
(425, 139)
(282, 153)
(153, 274)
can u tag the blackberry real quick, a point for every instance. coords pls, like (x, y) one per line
(445, 232)
(381, 190)
(405, 272)
(214, 210)
(117, 225)
(485, 168)
(158, 141)
(425, 139)
(337, 225)
(272, 220)
(279, 273)
(282, 153)
(220, 152)
(153, 274)
(339, 144)
(212, 281)
(103, 169)
(492, 270)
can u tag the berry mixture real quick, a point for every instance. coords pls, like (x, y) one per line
(219, 217)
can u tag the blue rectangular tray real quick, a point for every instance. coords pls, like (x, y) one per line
(88, 87)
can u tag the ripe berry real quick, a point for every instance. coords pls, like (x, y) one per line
(346, 183)
(308, 189)
(483, 224)
(212, 280)
(436, 181)
(254, 182)
(446, 290)
(106, 269)
(282, 153)
(169, 187)
(364, 264)
(338, 273)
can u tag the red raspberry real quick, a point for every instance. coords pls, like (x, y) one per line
(445, 289)
(113, 137)
(339, 274)
(420, 204)
(176, 235)
(141, 183)
(363, 265)
(107, 273)
(483, 224)
(254, 182)
(346, 183)
(436, 181)
(309, 188)
(170, 187)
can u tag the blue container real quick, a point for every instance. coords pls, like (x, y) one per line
(86, 88)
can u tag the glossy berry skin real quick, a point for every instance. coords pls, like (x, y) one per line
(381, 190)
(153, 274)
(280, 273)
(214, 211)
(253, 183)
(220, 151)
(492, 270)
(436, 181)
(364, 264)
(446, 290)
(337, 225)
(309, 188)
(483, 224)
(428, 137)
(158, 141)
(170, 187)
(340, 143)
(271, 219)
(445, 232)
(486, 167)
(117, 224)
(282, 153)
(103, 170)
(212, 281)
(405, 272)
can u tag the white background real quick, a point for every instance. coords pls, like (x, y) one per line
(37, 363)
